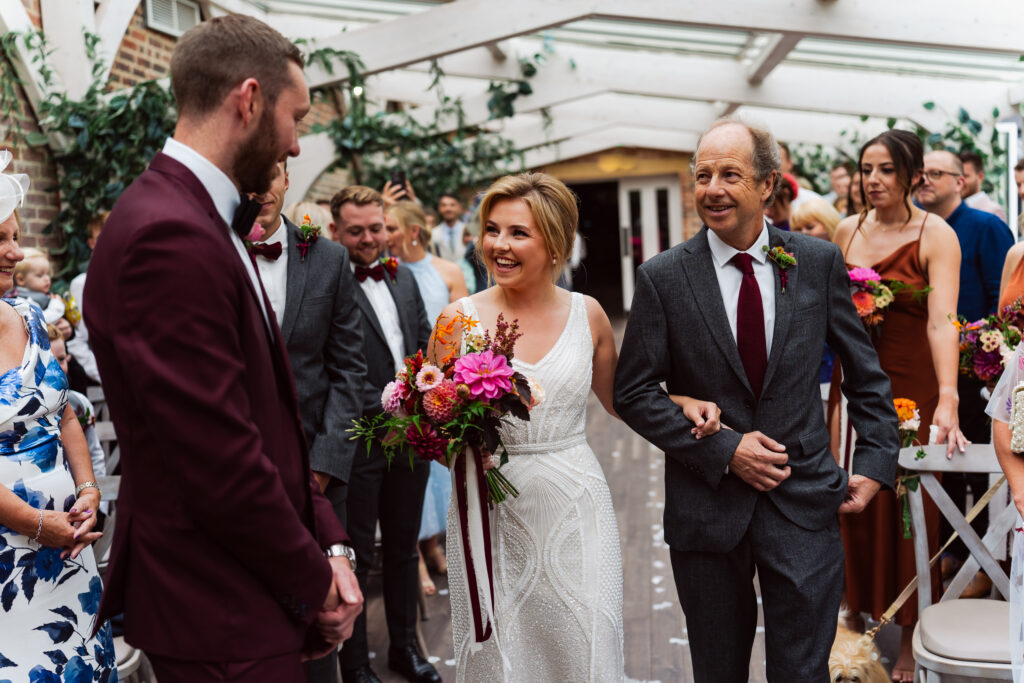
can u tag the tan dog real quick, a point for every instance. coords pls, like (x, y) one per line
(855, 659)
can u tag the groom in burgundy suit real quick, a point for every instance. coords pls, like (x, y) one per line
(227, 561)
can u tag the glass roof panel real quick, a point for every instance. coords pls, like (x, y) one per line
(911, 60)
(650, 36)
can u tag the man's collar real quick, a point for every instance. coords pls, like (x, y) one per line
(959, 207)
(722, 253)
(979, 193)
(217, 184)
(279, 235)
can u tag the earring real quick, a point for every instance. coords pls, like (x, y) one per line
(554, 260)
(414, 243)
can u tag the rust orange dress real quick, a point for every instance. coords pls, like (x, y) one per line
(1014, 288)
(879, 560)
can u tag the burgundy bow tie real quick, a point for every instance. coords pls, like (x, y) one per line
(377, 272)
(267, 251)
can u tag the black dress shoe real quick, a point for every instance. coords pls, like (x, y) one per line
(407, 661)
(361, 674)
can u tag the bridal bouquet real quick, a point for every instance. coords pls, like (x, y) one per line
(986, 344)
(458, 406)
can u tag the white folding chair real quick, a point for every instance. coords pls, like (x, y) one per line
(959, 636)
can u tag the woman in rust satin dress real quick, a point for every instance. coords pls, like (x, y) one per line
(917, 347)
(1012, 286)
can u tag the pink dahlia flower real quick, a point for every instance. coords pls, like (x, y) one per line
(439, 403)
(428, 377)
(391, 398)
(864, 275)
(486, 374)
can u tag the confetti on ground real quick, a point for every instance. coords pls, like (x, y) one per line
(678, 641)
(657, 579)
(662, 605)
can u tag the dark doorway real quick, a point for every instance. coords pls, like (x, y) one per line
(600, 273)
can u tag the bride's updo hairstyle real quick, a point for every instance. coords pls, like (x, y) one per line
(552, 204)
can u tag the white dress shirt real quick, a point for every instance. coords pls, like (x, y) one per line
(275, 273)
(448, 239)
(730, 277)
(226, 199)
(383, 305)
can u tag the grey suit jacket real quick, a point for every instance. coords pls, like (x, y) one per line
(380, 367)
(678, 333)
(323, 333)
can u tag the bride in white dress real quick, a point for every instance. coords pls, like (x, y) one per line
(556, 554)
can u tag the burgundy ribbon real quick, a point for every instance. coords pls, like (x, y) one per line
(483, 630)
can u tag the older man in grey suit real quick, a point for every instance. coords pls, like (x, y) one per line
(720, 318)
(313, 294)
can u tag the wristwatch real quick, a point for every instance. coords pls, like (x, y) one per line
(342, 550)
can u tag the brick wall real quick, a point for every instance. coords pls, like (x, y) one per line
(40, 206)
(144, 55)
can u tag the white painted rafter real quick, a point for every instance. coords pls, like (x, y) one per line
(777, 47)
(473, 23)
(617, 136)
(65, 23)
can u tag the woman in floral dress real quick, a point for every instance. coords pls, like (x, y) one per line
(49, 586)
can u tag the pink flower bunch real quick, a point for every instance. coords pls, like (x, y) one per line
(864, 275)
(487, 375)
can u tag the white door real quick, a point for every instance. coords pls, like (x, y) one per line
(650, 220)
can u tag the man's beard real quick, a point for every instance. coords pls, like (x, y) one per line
(254, 165)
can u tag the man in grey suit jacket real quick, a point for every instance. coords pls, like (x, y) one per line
(313, 294)
(394, 326)
(718, 319)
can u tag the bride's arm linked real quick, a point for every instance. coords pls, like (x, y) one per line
(704, 414)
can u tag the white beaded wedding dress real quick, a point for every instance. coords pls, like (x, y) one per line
(556, 554)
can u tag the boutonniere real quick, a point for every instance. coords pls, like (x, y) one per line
(255, 235)
(308, 234)
(391, 266)
(783, 260)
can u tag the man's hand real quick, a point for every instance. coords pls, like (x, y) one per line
(343, 604)
(859, 493)
(323, 479)
(760, 461)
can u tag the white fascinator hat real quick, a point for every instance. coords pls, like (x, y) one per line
(13, 187)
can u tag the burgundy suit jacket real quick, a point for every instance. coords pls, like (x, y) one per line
(218, 545)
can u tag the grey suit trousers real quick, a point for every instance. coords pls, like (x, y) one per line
(800, 573)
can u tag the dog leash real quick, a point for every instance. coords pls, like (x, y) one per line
(912, 586)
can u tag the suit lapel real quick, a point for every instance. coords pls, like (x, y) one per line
(295, 280)
(698, 267)
(404, 321)
(367, 310)
(784, 303)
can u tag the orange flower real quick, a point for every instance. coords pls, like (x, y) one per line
(865, 303)
(905, 408)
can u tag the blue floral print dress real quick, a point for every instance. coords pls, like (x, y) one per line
(47, 605)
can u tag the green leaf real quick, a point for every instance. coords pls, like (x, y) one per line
(929, 105)
(36, 139)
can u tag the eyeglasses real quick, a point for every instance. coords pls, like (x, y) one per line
(935, 175)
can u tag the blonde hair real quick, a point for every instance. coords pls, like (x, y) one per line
(25, 265)
(816, 210)
(408, 214)
(53, 333)
(552, 204)
(318, 215)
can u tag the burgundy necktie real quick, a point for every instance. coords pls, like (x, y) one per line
(750, 324)
(267, 251)
(376, 272)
